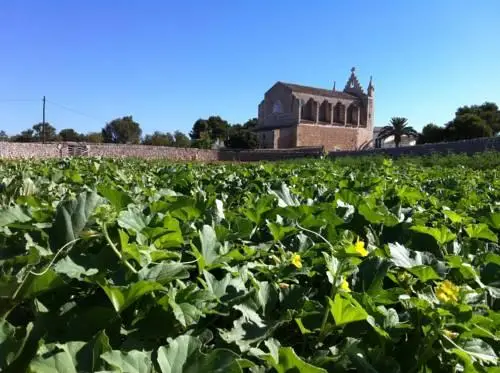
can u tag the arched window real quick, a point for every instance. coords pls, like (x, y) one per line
(277, 107)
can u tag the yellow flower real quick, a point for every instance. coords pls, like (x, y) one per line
(359, 247)
(447, 291)
(450, 334)
(297, 261)
(344, 285)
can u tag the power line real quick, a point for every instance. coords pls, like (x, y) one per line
(75, 111)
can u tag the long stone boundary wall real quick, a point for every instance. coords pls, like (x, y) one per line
(464, 146)
(11, 150)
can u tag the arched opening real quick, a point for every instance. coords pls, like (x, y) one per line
(338, 113)
(308, 110)
(352, 115)
(324, 112)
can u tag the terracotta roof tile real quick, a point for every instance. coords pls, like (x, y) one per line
(318, 91)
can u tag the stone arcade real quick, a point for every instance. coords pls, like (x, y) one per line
(293, 115)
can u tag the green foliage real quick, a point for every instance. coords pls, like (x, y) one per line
(93, 137)
(69, 134)
(397, 127)
(214, 128)
(357, 264)
(431, 133)
(159, 139)
(470, 122)
(122, 131)
(240, 137)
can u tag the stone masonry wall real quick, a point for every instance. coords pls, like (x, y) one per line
(331, 137)
(465, 146)
(10, 150)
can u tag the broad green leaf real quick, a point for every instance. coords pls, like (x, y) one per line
(480, 350)
(377, 214)
(218, 361)
(68, 267)
(183, 355)
(36, 285)
(493, 220)
(11, 215)
(123, 296)
(71, 218)
(481, 231)
(424, 273)
(403, 257)
(250, 315)
(129, 362)
(442, 235)
(72, 356)
(175, 357)
(453, 216)
(163, 273)
(371, 274)
(60, 358)
(285, 198)
(346, 310)
(12, 341)
(209, 245)
(118, 199)
(289, 362)
(279, 231)
(186, 313)
(133, 219)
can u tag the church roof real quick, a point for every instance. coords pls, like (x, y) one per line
(318, 91)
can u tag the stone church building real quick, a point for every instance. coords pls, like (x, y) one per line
(293, 115)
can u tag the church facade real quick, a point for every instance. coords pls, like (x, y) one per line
(292, 115)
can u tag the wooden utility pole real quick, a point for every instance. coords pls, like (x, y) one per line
(43, 120)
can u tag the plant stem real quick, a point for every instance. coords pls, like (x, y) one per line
(115, 249)
(327, 307)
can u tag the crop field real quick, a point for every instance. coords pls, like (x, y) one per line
(291, 267)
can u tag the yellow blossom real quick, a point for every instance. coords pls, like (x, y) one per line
(450, 334)
(359, 247)
(297, 261)
(344, 285)
(447, 291)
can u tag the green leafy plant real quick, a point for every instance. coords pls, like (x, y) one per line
(317, 266)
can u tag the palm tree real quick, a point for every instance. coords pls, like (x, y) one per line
(397, 127)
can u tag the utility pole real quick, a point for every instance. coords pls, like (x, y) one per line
(43, 120)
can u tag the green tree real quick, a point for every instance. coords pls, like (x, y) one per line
(431, 133)
(181, 140)
(214, 127)
(240, 137)
(204, 142)
(488, 112)
(45, 132)
(69, 134)
(93, 137)
(467, 126)
(122, 131)
(398, 127)
(3, 136)
(251, 123)
(25, 136)
(159, 139)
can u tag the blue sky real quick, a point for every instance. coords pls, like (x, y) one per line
(168, 63)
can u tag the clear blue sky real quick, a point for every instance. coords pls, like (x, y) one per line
(168, 63)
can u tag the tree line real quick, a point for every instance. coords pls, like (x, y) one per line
(206, 133)
(470, 122)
